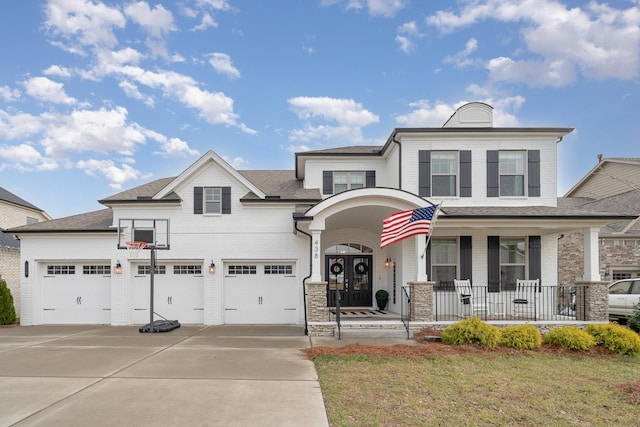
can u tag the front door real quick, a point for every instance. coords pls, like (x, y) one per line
(351, 276)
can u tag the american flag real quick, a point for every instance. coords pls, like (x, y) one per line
(405, 224)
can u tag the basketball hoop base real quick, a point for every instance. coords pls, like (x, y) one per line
(160, 326)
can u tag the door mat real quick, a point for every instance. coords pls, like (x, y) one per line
(359, 312)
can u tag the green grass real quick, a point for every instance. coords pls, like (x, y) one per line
(492, 389)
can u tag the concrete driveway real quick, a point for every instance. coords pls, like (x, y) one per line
(191, 376)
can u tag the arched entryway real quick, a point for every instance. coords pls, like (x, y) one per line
(348, 268)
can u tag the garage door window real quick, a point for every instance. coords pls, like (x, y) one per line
(187, 269)
(61, 269)
(96, 269)
(146, 269)
(242, 269)
(278, 269)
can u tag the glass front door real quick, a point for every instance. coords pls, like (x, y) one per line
(351, 276)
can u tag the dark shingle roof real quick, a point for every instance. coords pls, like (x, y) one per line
(529, 212)
(280, 184)
(96, 221)
(143, 192)
(351, 149)
(8, 196)
(8, 241)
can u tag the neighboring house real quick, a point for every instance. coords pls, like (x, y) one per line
(250, 247)
(613, 185)
(14, 211)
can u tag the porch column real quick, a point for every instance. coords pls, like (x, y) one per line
(421, 268)
(591, 255)
(316, 257)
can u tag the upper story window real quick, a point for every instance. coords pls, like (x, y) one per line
(512, 169)
(513, 173)
(343, 181)
(334, 182)
(444, 173)
(31, 220)
(212, 200)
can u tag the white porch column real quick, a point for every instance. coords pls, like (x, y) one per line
(591, 255)
(421, 268)
(316, 256)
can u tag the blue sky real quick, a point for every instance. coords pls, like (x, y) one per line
(100, 96)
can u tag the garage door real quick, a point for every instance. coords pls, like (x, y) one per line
(178, 292)
(76, 293)
(260, 293)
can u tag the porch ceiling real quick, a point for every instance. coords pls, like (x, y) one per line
(363, 217)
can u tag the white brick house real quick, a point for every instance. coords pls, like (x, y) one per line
(271, 235)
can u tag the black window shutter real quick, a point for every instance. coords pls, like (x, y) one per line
(465, 173)
(465, 258)
(424, 173)
(534, 172)
(197, 200)
(493, 174)
(370, 180)
(535, 259)
(493, 263)
(327, 182)
(226, 200)
(428, 261)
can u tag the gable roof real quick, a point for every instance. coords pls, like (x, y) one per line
(144, 192)
(97, 221)
(8, 241)
(209, 156)
(279, 184)
(9, 197)
(595, 171)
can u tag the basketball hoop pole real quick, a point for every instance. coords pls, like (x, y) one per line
(151, 277)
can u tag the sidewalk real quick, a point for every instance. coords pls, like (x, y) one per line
(195, 375)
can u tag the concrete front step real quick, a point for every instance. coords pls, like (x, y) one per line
(391, 329)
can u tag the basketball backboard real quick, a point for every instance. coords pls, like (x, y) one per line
(154, 232)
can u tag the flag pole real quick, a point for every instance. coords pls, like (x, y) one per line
(433, 223)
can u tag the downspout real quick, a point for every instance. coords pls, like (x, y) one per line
(304, 281)
(393, 139)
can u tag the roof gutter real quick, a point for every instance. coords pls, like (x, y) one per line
(300, 217)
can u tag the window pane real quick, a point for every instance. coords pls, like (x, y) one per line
(512, 185)
(339, 188)
(443, 276)
(512, 251)
(357, 178)
(339, 178)
(443, 251)
(443, 185)
(511, 162)
(509, 275)
(445, 163)
(213, 200)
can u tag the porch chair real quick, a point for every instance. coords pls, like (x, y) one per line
(525, 301)
(470, 304)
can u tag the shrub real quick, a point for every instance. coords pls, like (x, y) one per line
(616, 338)
(382, 294)
(471, 331)
(7, 310)
(634, 321)
(570, 338)
(523, 337)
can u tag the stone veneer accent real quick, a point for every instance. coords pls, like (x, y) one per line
(592, 301)
(421, 301)
(317, 314)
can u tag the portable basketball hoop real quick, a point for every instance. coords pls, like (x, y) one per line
(135, 247)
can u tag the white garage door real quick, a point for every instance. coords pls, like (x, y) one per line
(178, 290)
(76, 293)
(260, 293)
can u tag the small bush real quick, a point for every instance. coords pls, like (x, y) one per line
(616, 338)
(7, 310)
(634, 321)
(570, 338)
(522, 337)
(471, 331)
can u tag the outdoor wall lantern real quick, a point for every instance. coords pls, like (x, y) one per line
(212, 268)
(387, 262)
(118, 267)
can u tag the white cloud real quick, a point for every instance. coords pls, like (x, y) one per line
(116, 175)
(428, 114)
(19, 125)
(44, 89)
(461, 59)
(7, 94)
(349, 115)
(56, 70)
(25, 157)
(206, 21)
(298, 148)
(221, 62)
(157, 22)
(84, 22)
(133, 92)
(386, 8)
(237, 162)
(596, 40)
(171, 147)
